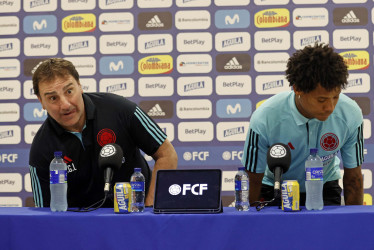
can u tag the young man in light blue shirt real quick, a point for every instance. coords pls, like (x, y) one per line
(314, 115)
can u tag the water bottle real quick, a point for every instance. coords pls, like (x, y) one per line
(241, 190)
(137, 182)
(314, 181)
(58, 183)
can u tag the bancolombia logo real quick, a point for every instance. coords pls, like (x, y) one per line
(79, 23)
(356, 60)
(272, 18)
(157, 64)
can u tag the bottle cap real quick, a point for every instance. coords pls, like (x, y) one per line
(137, 169)
(241, 168)
(58, 153)
(313, 150)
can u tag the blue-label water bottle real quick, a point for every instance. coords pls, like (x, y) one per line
(137, 182)
(241, 190)
(314, 181)
(58, 183)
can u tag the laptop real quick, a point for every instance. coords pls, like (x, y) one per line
(188, 191)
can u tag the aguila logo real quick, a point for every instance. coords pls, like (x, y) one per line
(106, 136)
(329, 142)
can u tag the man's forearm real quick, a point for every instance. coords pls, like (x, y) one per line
(162, 163)
(255, 181)
(353, 187)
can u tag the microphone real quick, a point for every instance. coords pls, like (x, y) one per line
(278, 160)
(110, 158)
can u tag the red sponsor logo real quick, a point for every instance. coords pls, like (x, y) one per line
(106, 136)
(329, 142)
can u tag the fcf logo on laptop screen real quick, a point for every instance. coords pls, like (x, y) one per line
(196, 189)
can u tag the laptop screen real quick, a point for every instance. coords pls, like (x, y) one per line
(193, 189)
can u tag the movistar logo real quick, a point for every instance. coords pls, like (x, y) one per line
(116, 67)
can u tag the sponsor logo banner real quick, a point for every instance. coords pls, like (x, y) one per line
(232, 3)
(86, 66)
(194, 42)
(116, 4)
(116, 65)
(356, 60)
(117, 44)
(195, 131)
(34, 112)
(272, 18)
(310, 37)
(30, 65)
(233, 63)
(154, 3)
(121, 86)
(352, 16)
(234, 85)
(194, 63)
(232, 19)
(357, 83)
(234, 108)
(272, 40)
(367, 129)
(194, 109)
(119, 21)
(351, 39)
(193, 3)
(10, 182)
(363, 103)
(227, 157)
(155, 21)
(30, 132)
(10, 90)
(41, 46)
(195, 86)
(46, 24)
(155, 43)
(157, 64)
(310, 17)
(8, 6)
(10, 201)
(158, 109)
(39, 5)
(10, 135)
(271, 84)
(78, 45)
(78, 4)
(232, 131)
(79, 23)
(270, 62)
(192, 19)
(88, 84)
(9, 47)
(168, 129)
(9, 25)
(9, 68)
(9, 112)
(233, 41)
(272, 2)
(28, 91)
(156, 86)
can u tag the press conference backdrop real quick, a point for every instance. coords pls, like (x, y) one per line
(198, 67)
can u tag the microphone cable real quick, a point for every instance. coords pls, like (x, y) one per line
(91, 207)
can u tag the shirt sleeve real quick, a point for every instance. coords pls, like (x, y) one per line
(255, 147)
(40, 187)
(353, 150)
(147, 134)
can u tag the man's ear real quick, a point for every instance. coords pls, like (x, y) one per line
(297, 92)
